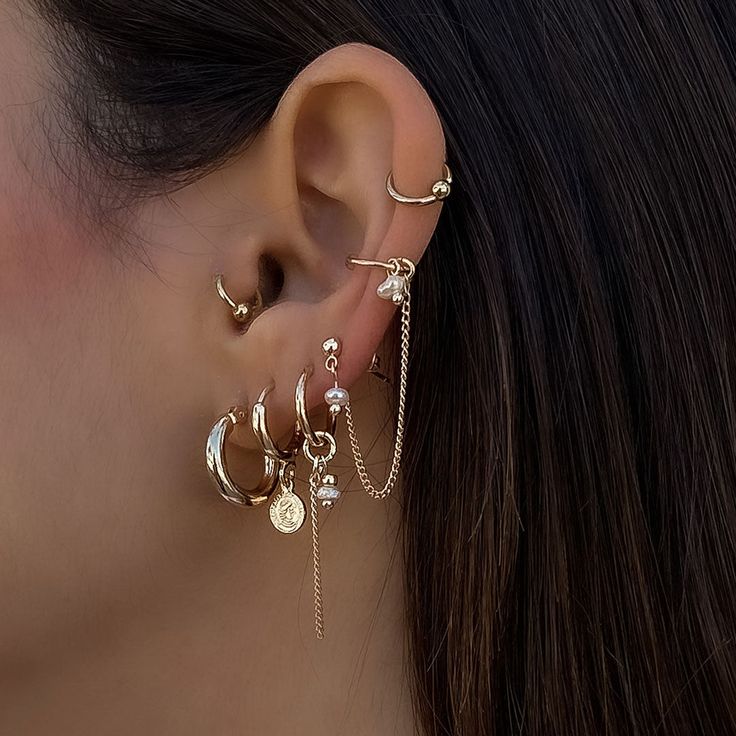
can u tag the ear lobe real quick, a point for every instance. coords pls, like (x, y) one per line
(351, 117)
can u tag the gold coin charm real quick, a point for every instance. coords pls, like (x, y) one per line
(287, 512)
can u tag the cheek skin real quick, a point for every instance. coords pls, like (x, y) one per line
(96, 447)
(105, 506)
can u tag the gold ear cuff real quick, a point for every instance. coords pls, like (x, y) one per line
(243, 312)
(440, 190)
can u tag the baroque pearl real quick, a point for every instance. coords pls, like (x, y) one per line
(337, 396)
(328, 493)
(391, 288)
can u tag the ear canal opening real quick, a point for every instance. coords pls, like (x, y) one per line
(270, 279)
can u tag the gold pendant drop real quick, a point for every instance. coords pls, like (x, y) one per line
(287, 511)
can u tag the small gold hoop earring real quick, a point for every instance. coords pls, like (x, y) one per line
(245, 311)
(440, 190)
(302, 416)
(287, 512)
(259, 423)
(217, 465)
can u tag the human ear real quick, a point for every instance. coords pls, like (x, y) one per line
(317, 173)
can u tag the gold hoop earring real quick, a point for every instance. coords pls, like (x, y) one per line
(287, 512)
(302, 416)
(217, 464)
(440, 190)
(245, 311)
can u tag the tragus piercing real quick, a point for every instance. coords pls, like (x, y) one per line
(440, 190)
(243, 312)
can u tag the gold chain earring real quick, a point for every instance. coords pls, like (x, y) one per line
(319, 448)
(217, 464)
(396, 287)
(243, 312)
(287, 511)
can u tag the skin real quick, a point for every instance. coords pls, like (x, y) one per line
(135, 600)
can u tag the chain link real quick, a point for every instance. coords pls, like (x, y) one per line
(393, 475)
(318, 469)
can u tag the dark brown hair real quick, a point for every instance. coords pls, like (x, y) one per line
(569, 494)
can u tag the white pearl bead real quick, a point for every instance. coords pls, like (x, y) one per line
(391, 287)
(328, 493)
(337, 396)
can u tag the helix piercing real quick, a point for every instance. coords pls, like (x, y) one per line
(217, 464)
(245, 311)
(440, 190)
(287, 511)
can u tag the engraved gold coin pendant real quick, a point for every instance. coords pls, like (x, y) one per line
(287, 512)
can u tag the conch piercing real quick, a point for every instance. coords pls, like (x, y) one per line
(440, 190)
(287, 511)
(217, 464)
(245, 311)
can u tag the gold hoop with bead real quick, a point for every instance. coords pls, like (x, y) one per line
(440, 190)
(243, 312)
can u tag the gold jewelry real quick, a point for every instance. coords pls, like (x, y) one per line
(217, 464)
(319, 448)
(287, 512)
(396, 287)
(245, 311)
(302, 415)
(440, 190)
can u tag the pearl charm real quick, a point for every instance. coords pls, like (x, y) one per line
(328, 492)
(337, 396)
(392, 288)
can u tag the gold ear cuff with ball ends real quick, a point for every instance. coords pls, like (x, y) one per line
(287, 510)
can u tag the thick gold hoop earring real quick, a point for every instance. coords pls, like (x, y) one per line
(287, 512)
(440, 190)
(217, 465)
(243, 312)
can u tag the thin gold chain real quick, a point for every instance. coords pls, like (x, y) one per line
(393, 475)
(319, 619)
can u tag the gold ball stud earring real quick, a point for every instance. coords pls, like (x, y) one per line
(243, 312)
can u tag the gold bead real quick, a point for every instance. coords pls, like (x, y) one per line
(331, 346)
(441, 189)
(241, 313)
